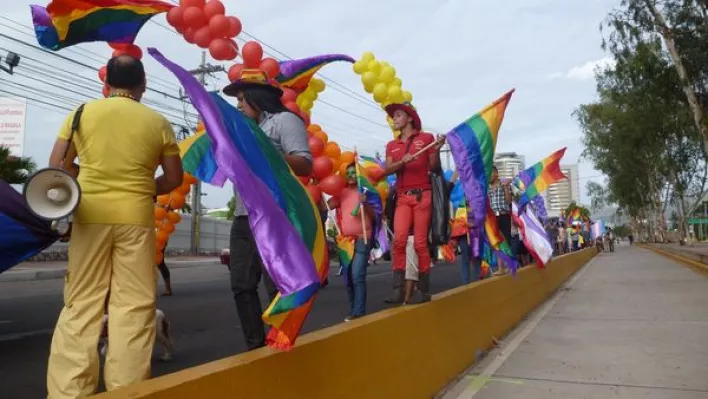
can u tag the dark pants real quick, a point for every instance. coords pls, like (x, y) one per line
(504, 222)
(246, 271)
(163, 267)
(356, 278)
(465, 258)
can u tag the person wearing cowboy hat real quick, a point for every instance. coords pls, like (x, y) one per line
(260, 100)
(411, 157)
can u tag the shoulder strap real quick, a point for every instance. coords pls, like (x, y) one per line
(408, 147)
(74, 128)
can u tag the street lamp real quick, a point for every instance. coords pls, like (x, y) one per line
(12, 60)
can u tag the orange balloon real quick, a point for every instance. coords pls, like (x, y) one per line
(163, 199)
(336, 164)
(168, 227)
(184, 188)
(162, 236)
(161, 245)
(332, 150)
(174, 217)
(314, 128)
(189, 179)
(322, 136)
(160, 213)
(343, 169)
(158, 258)
(177, 201)
(347, 157)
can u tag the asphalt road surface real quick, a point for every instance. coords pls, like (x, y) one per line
(205, 325)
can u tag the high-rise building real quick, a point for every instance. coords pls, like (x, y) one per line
(560, 194)
(509, 164)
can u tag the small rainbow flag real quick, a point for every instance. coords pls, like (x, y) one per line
(65, 23)
(536, 179)
(296, 74)
(472, 144)
(368, 162)
(346, 249)
(285, 222)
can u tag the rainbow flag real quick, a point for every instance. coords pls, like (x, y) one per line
(346, 249)
(65, 23)
(285, 221)
(198, 159)
(536, 179)
(472, 144)
(296, 74)
(368, 162)
(373, 198)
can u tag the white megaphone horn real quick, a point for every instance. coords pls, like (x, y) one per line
(52, 194)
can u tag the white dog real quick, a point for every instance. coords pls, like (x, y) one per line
(162, 336)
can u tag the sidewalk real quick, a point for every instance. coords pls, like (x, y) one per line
(31, 271)
(631, 324)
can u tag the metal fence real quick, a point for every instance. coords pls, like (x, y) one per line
(213, 237)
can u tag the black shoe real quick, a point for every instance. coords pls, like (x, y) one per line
(397, 296)
(422, 294)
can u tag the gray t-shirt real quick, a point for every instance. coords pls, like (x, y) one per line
(287, 133)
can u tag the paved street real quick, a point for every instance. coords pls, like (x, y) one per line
(630, 324)
(202, 313)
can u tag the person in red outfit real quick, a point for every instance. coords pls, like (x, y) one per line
(411, 157)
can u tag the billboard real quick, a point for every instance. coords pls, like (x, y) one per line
(12, 124)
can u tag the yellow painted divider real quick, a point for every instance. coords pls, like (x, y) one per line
(409, 353)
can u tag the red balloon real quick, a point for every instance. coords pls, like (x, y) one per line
(375, 173)
(315, 193)
(189, 34)
(106, 91)
(202, 37)
(304, 179)
(235, 27)
(214, 7)
(292, 107)
(191, 3)
(252, 54)
(333, 185)
(235, 72)
(316, 146)
(219, 26)
(119, 46)
(289, 95)
(133, 51)
(322, 167)
(271, 66)
(194, 17)
(305, 118)
(102, 73)
(221, 49)
(175, 17)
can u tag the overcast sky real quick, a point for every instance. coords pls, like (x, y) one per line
(455, 56)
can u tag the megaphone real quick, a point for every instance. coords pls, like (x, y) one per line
(52, 194)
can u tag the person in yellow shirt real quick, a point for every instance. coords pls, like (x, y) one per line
(119, 144)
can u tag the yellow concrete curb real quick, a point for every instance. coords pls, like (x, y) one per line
(405, 352)
(695, 265)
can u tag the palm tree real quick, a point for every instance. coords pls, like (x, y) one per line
(15, 170)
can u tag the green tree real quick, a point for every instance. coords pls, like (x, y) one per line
(232, 208)
(15, 170)
(599, 197)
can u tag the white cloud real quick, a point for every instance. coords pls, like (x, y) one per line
(586, 71)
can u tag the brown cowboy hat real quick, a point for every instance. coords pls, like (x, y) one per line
(250, 78)
(409, 109)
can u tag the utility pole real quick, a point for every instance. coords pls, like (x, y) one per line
(203, 70)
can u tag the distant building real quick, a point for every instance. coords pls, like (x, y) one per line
(509, 164)
(559, 195)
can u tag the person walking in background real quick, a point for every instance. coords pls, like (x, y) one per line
(354, 227)
(414, 202)
(259, 99)
(119, 143)
(500, 199)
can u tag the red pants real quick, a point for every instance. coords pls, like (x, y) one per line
(410, 211)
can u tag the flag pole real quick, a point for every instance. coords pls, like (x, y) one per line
(361, 205)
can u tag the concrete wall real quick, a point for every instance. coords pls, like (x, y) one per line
(213, 238)
(404, 352)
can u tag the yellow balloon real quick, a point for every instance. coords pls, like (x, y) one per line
(369, 87)
(387, 74)
(395, 94)
(380, 92)
(397, 81)
(317, 85)
(374, 67)
(307, 103)
(367, 56)
(369, 79)
(360, 67)
(407, 96)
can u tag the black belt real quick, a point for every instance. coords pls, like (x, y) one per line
(500, 213)
(415, 191)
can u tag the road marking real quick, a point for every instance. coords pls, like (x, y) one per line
(16, 336)
(503, 353)
(5, 321)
